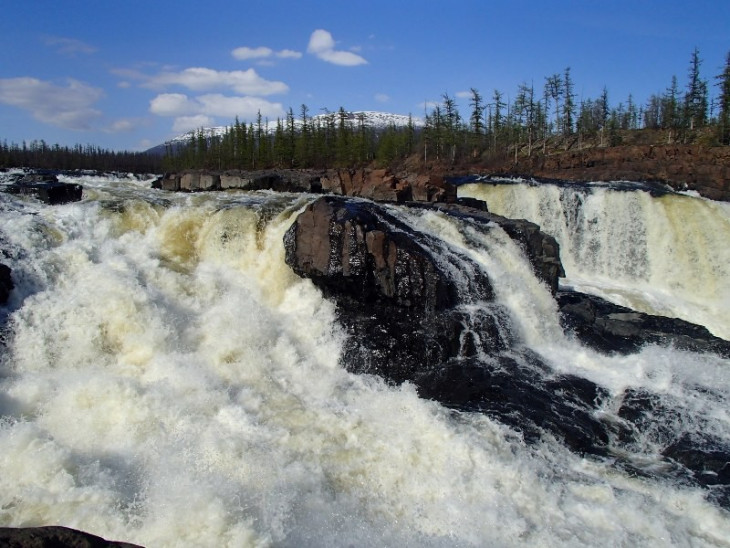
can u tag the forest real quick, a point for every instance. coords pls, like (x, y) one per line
(538, 120)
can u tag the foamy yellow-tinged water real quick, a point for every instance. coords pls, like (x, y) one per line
(168, 381)
(666, 255)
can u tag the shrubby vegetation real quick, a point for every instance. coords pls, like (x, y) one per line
(495, 128)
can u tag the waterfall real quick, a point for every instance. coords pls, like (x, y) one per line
(665, 255)
(165, 379)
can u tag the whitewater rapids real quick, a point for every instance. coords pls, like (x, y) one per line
(167, 380)
(665, 255)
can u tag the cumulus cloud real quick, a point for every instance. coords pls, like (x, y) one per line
(69, 46)
(262, 53)
(322, 45)
(172, 104)
(69, 106)
(246, 82)
(187, 123)
(244, 53)
(194, 112)
(288, 54)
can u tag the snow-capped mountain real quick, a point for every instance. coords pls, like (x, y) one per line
(371, 119)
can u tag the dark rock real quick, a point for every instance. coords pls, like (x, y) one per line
(697, 457)
(55, 537)
(418, 311)
(541, 249)
(611, 328)
(46, 188)
(6, 283)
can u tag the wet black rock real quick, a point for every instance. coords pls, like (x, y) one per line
(416, 310)
(6, 283)
(541, 249)
(699, 457)
(45, 187)
(54, 537)
(611, 328)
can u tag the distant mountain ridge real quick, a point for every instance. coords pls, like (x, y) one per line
(372, 119)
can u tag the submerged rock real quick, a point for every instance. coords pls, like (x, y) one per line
(55, 537)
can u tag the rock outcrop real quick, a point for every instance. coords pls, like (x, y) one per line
(374, 184)
(418, 311)
(703, 169)
(541, 249)
(281, 180)
(46, 188)
(611, 328)
(6, 283)
(55, 537)
(415, 310)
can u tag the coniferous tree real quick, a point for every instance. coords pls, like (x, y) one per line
(695, 100)
(568, 103)
(723, 118)
(553, 89)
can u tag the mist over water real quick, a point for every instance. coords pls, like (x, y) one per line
(168, 381)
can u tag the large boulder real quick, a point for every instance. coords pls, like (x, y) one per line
(46, 188)
(541, 249)
(615, 329)
(416, 310)
(55, 537)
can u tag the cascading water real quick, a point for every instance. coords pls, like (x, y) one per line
(665, 255)
(167, 380)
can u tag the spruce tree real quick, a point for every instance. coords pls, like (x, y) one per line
(723, 118)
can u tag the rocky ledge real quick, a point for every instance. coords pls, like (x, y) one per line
(417, 311)
(703, 169)
(45, 187)
(55, 537)
(615, 329)
(375, 184)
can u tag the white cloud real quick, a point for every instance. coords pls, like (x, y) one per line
(289, 54)
(463, 94)
(244, 53)
(69, 46)
(121, 125)
(382, 97)
(172, 104)
(322, 45)
(246, 82)
(69, 106)
(194, 112)
(187, 123)
(244, 107)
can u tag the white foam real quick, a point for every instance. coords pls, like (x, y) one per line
(170, 382)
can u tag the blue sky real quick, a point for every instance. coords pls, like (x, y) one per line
(130, 74)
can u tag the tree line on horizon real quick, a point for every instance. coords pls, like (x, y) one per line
(41, 155)
(495, 128)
